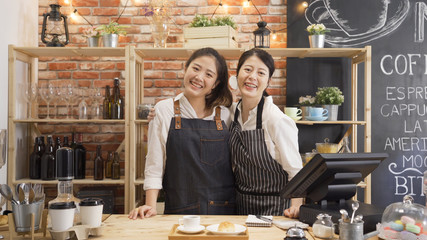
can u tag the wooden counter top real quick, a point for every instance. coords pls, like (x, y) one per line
(158, 228)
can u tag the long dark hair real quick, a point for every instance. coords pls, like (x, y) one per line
(264, 56)
(221, 94)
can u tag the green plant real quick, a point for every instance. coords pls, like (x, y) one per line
(329, 95)
(112, 28)
(203, 21)
(317, 29)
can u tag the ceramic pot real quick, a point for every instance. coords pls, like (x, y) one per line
(316, 41)
(110, 40)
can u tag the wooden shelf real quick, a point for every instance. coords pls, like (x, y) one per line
(330, 122)
(106, 121)
(139, 181)
(72, 51)
(183, 53)
(316, 52)
(75, 181)
(140, 121)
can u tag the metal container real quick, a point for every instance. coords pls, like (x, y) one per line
(353, 231)
(93, 41)
(64, 164)
(316, 41)
(22, 215)
(110, 40)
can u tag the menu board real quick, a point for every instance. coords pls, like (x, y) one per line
(396, 31)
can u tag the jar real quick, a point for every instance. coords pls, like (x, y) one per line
(143, 110)
(323, 227)
(404, 220)
(327, 147)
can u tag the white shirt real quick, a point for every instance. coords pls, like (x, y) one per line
(280, 133)
(158, 131)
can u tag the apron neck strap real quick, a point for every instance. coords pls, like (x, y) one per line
(177, 113)
(258, 114)
(218, 118)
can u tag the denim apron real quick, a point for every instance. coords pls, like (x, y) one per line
(259, 178)
(198, 177)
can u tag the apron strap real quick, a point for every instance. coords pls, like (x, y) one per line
(218, 119)
(258, 114)
(177, 112)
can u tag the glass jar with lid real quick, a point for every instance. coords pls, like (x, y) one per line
(404, 220)
(323, 227)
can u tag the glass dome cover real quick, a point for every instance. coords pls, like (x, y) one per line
(404, 220)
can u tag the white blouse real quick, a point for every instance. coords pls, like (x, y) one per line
(281, 135)
(158, 131)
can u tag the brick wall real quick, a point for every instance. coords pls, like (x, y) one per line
(163, 78)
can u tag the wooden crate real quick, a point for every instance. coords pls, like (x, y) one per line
(204, 235)
(218, 36)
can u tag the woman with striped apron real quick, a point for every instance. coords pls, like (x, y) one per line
(263, 142)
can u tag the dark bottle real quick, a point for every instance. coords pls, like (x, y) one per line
(117, 102)
(42, 145)
(98, 169)
(115, 169)
(57, 145)
(66, 144)
(109, 165)
(79, 159)
(35, 160)
(106, 104)
(73, 141)
(48, 162)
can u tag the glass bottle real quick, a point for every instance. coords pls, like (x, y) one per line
(106, 104)
(98, 169)
(73, 141)
(115, 169)
(323, 227)
(65, 194)
(83, 107)
(66, 144)
(109, 165)
(79, 159)
(116, 101)
(35, 160)
(48, 162)
(57, 145)
(42, 145)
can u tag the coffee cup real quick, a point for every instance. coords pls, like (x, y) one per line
(91, 211)
(62, 215)
(347, 17)
(318, 112)
(293, 112)
(190, 222)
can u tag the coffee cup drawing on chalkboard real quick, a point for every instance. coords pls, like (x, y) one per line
(354, 22)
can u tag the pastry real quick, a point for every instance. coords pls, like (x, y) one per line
(226, 227)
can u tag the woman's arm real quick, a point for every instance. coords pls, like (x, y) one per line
(149, 209)
(293, 211)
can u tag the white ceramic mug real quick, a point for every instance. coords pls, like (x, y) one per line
(318, 112)
(190, 222)
(374, 13)
(62, 215)
(293, 112)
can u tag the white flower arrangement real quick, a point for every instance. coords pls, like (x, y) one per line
(307, 100)
(91, 32)
(316, 29)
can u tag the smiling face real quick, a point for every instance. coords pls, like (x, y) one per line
(200, 77)
(253, 77)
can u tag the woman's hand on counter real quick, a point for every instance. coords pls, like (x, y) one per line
(293, 211)
(143, 212)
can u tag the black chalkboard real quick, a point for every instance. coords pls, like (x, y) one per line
(395, 30)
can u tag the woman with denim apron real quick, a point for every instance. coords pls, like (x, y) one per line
(188, 154)
(263, 142)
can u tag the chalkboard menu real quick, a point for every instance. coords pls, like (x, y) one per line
(396, 30)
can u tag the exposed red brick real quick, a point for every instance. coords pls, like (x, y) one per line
(110, 3)
(167, 83)
(168, 65)
(119, 128)
(152, 92)
(62, 66)
(47, 75)
(85, 3)
(64, 75)
(86, 128)
(110, 75)
(85, 75)
(105, 11)
(104, 65)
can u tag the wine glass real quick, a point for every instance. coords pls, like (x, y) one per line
(30, 95)
(57, 98)
(47, 94)
(96, 110)
(83, 106)
(68, 94)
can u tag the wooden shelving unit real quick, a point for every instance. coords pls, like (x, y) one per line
(134, 95)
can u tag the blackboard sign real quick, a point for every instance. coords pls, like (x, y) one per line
(396, 31)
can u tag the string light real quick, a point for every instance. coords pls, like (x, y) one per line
(220, 5)
(304, 4)
(274, 36)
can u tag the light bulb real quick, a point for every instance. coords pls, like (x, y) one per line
(66, 2)
(246, 4)
(274, 36)
(304, 4)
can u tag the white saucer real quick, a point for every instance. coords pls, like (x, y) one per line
(214, 229)
(317, 118)
(192, 230)
(296, 118)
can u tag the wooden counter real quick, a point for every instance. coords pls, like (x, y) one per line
(159, 227)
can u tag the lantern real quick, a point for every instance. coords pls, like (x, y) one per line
(262, 36)
(54, 28)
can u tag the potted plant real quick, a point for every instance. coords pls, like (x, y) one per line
(211, 32)
(110, 33)
(305, 103)
(330, 98)
(316, 34)
(92, 36)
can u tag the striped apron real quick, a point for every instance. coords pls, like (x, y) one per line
(259, 178)
(198, 177)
